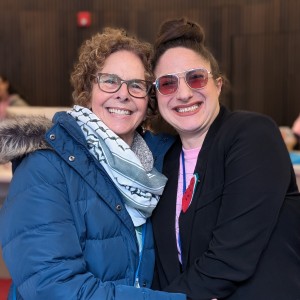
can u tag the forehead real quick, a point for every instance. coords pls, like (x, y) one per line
(180, 59)
(125, 64)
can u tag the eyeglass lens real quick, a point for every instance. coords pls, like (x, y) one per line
(111, 83)
(195, 79)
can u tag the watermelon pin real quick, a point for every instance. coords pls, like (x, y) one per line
(189, 193)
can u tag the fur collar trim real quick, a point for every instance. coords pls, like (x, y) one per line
(21, 135)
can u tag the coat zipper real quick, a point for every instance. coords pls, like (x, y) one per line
(136, 281)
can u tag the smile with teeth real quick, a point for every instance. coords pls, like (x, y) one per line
(188, 109)
(119, 111)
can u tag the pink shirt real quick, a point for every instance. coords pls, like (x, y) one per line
(190, 159)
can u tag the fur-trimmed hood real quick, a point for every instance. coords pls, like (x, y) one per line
(20, 135)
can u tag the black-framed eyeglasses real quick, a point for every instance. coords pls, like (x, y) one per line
(195, 78)
(111, 83)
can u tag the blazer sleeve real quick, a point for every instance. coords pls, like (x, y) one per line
(257, 174)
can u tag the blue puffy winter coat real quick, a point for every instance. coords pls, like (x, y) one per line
(64, 228)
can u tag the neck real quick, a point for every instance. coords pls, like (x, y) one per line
(193, 141)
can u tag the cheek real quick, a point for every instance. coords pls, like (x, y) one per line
(160, 106)
(142, 104)
(162, 101)
(98, 97)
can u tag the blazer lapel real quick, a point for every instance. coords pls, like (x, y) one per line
(186, 219)
(164, 217)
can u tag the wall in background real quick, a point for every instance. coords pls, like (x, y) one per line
(257, 43)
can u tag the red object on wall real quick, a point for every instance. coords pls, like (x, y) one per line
(84, 19)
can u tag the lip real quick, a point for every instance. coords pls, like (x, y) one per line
(117, 111)
(190, 109)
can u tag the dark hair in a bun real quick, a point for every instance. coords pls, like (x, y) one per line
(179, 31)
(183, 33)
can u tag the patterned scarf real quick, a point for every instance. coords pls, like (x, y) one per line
(131, 169)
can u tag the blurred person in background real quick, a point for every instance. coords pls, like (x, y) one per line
(296, 131)
(8, 96)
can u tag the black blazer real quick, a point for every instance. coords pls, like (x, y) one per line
(240, 237)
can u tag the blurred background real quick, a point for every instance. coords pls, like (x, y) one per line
(257, 43)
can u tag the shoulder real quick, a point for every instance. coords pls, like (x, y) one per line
(158, 142)
(246, 128)
(39, 161)
(251, 132)
(248, 116)
(249, 122)
(21, 135)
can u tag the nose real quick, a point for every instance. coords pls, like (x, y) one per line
(184, 92)
(122, 94)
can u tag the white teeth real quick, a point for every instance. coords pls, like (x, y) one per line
(187, 109)
(119, 111)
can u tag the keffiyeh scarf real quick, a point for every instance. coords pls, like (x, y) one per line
(131, 169)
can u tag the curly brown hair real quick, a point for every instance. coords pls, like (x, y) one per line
(92, 55)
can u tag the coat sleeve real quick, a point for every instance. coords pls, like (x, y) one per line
(41, 247)
(257, 172)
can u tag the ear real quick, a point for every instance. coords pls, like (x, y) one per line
(219, 83)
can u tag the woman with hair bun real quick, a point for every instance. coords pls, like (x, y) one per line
(227, 225)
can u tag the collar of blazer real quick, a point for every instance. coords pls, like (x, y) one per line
(164, 215)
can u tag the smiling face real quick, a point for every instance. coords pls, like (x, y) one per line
(121, 112)
(189, 111)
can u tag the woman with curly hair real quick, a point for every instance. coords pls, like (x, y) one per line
(75, 223)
